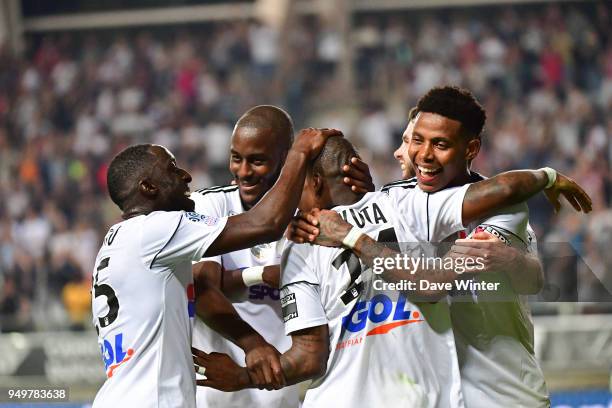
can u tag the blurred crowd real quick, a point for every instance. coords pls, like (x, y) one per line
(543, 73)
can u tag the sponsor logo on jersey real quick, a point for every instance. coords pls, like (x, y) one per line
(289, 307)
(258, 292)
(113, 355)
(382, 312)
(195, 217)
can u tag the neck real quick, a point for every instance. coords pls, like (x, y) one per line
(135, 211)
(461, 179)
(342, 194)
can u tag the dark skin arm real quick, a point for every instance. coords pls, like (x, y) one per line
(219, 314)
(267, 220)
(333, 229)
(513, 187)
(230, 282)
(306, 359)
(483, 198)
(523, 269)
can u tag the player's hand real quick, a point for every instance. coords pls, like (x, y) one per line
(357, 176)
(572, 192)
(264, 368)
(221, 372)
(494, 255)
(303, 228)
(332, 228)
(312, 140)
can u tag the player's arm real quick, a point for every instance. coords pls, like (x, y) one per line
(267, 220)
(234, 281)
(333, 232)
(219, 314)
(513, 187)
(306, 359)
(523, 269)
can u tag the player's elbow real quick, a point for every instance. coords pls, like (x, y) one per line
(316, 364)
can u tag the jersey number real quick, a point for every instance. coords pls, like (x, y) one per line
(111, 298)
(354, 266)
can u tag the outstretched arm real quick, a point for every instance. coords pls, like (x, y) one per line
(512, 187)
(332, 232)
(267, 221)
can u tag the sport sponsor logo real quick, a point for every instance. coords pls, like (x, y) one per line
(259, 292)
(384, 314)
(113, 355)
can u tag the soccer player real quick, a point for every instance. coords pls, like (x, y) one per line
(143, 286)
(250, 277)
(494, 337)
(375, 346)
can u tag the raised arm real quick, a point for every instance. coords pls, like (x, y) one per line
(267, 221)
(512, 187)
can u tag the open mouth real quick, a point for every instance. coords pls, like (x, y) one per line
(428, 174)
(248, 187)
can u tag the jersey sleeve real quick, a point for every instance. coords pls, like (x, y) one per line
(213, 205)
(300, 292)
(509, 226)
(175, 236)
(430, 216)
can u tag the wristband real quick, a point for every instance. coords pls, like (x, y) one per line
(351, 238)
(253, 275)
(552, 176)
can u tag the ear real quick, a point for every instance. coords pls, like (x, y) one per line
(473, 147)
(147, 188)
(317, 184)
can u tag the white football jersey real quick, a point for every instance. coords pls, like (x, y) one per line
(384, 350)
(143, 307)
(494, 338)
(258, 305)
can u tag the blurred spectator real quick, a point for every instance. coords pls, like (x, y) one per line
(543, 72)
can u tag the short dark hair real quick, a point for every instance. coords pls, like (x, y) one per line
(336, 153)
(273, 118)
(455, 103)
(125, 169)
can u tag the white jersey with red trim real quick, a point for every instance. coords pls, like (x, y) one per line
(384, 350)
(143, 307)
(258, 305)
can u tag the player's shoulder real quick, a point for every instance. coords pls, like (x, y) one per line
(409, 184)
(217, 200)
(216, 191)
(304, 262)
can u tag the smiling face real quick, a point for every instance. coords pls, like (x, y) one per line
(255, 162)
(171, 182)
(440, 152)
